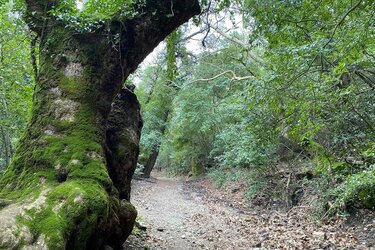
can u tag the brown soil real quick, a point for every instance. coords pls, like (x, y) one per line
(188, 215)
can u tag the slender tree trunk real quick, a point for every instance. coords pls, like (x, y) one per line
(7, 145)
(150, 163)
(6, 135)
(65, 195)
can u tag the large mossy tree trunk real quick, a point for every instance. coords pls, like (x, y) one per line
(65, 188)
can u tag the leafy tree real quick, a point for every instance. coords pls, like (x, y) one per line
(322, 79)
(298, 85)
(15, 78)
(158, 105)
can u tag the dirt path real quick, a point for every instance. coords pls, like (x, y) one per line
(178, 219)
(182, 216)
(165, 211)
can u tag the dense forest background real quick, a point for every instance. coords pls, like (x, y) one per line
(279, 94)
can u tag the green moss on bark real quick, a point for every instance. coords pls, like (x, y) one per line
(73, 207)
(69, 86)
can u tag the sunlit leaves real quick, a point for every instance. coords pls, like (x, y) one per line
(87, 16)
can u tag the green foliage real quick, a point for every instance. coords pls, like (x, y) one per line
(301, 87)
(16, 78)
(156, 98)
(172, 42)
(321, 83)
(86, 16)
(157, 93)
(220, 176)
(211, 125)
(359, 186)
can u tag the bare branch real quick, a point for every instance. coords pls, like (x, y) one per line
(193, 35)
(341, 21)
(231, 72)
(240, 43)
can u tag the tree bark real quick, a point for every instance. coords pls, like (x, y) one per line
(6, 137)
(151, 160)
(123, 135)
(150, 163)
(7, 145)
(65, 195)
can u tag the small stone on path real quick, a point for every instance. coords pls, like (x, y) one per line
(319, 235)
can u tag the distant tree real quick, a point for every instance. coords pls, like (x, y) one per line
(159, 104)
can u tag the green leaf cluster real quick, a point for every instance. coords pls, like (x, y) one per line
(16, 79)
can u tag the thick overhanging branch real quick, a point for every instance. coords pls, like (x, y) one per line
(137, 37)
(155, 22)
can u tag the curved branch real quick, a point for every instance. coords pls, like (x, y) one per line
(231, 72)
(341, 21)
(234, 77)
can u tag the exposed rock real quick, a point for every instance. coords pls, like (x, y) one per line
(56, 91)
(75, 161)
(40, 244)
(49, 132)
(319, 235)
(39, 202)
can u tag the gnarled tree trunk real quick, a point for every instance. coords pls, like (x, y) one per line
(123, 134)
(64, 194)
